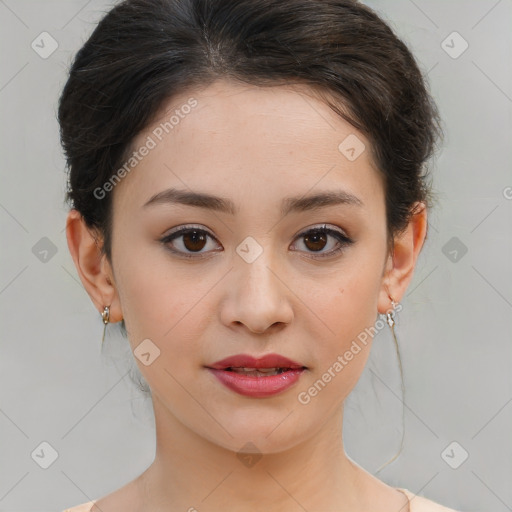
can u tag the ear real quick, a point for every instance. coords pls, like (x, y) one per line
(93, 268)
(400, 265)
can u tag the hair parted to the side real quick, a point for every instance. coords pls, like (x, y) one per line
(144, 52)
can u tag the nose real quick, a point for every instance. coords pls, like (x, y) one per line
(258, 295)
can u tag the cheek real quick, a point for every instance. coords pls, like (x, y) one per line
(163, 303)
(347, 311)
(349, 303)
(164, 306)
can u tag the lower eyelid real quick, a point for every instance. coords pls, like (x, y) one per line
(343, 242)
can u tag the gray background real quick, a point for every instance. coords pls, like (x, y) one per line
(454, 331)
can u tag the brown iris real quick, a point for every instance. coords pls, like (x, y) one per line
(315, 237)
(194, 240)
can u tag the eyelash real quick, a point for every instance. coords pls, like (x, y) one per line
(343, 240)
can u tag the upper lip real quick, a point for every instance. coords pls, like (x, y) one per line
(248, 361)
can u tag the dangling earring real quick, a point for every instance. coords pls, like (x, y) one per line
(390, 316)
(106, 318)
(390, 319)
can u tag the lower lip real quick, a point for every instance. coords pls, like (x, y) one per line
(258, 387)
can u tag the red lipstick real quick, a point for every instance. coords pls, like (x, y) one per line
(257, 377)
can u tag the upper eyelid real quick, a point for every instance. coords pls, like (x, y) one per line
(185, 228)
(324, 225)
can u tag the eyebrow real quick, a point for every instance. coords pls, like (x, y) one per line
(224, 205)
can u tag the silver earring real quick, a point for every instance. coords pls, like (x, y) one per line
(390, 316)
(105, 316)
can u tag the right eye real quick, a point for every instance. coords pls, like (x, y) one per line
(187, 238)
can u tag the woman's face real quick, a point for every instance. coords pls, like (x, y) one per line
(252, 280)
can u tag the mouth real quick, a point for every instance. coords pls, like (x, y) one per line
(260, 372)
(257, 382)
(264, 364)
(257, 377)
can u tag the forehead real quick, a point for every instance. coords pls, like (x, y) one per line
(229, 138)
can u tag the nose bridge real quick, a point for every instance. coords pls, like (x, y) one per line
(253, 265)
(259, 296)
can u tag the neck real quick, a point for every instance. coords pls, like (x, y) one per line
(191, 472)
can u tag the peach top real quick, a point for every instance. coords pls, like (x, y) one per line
(416, 504)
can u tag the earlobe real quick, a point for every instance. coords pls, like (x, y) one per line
(402, 262)
(94, 271)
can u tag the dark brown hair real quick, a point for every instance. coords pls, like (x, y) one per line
(145, 51)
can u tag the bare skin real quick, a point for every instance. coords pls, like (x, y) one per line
(254, 146)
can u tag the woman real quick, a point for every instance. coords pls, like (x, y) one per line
(248, 195)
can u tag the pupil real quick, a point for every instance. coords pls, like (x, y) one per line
(192, 238)
(315, 237)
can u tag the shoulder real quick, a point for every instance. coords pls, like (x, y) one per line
(421, 504)
(84, 507)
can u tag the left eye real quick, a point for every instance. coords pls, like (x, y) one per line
(316, 240)
(194, 240)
